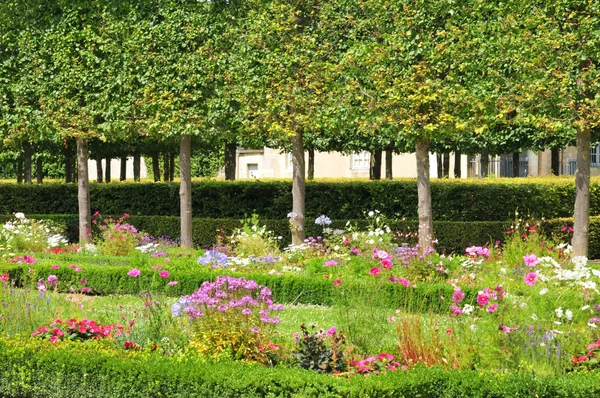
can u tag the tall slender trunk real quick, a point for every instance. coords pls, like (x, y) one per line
(389, 162)
(107, 170)
(424, 195)
(311, 164)
(375, 165)
(555, 161)
(123, 174)
(155, 167)
(39, 171)
(172, 166)
(69, 164)
(516, 165)
(99, 170)
(298, 193)
(137, 165)
(440, 165)
(230, 160)
(83, 192)
(185, 190)
(27, 156)
(446, 164)
(20, 169)
(166, 172)
(581, 217)
(485, 162)
(457, 165)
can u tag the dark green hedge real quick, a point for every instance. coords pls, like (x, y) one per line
(30, 369)
(452, 200)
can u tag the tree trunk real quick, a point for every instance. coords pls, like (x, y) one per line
(155, 167)
(27, 155)
(166, 171)
(185, 190)
(83, 192)
(20, 169)
(446, 163)
(581, 219)
(389, 160)
(123, 175)
(39, 171)
(516, 165)
(375, 165)
(137, 165)
(230, 160)
(424, 195)
(457, 165)
(172, 166)
(107, 170)
(555, 161)
(311, 164)
(485, 162)
(298, 193)
(69, 165)
(440, 165)
(99, 170)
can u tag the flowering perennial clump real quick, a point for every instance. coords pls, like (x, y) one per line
(75, 330)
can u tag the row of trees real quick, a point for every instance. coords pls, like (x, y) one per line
(403, 76)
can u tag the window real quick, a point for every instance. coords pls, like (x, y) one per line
(361, 160)
(252, 170)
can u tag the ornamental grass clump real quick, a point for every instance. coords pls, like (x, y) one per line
(232, 317)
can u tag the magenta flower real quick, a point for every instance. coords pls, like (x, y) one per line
(330, 263)
(458, 296)
(85, 290)
(376, 271)
(530, 278)
(134, 273)
(4, 277)
(164, 274)
(52, 280)
(492, 308)
(57, 266)
(331, 331)
(482, 300)
(337, 282)
(531, 260)
(172, 283)
(456, 310)
(83, 281)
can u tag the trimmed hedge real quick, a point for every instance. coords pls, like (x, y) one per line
(453, 200)
(34, 369)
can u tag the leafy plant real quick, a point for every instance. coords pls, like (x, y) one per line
(319, 350)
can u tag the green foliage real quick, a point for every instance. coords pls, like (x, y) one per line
(319, 350)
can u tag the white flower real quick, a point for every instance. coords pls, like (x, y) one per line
(20, 216)
(559, 312)
(468, 309)
(503, 270)
(592, 325)
(336, 248)
(569, 315)
(585, 307)
(534, 317)
(543, 291)
(557, 323)
(473, 327)
(371, 214)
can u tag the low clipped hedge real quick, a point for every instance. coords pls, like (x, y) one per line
(31, 368)
(453, 200)
(287, 288)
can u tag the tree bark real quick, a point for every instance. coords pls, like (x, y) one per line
(555, 161)
(99, 170)
(440, 165)
(137, 165)
(172, 166)
(123, 173)
(185, 190)
(389, 161)
(516, 165)
(485, 162)
(27, 157)
(20, 169)
(581, 218)
(107, 170)
(230, 160)
(69, 165)
(311, 164)
(83, 192)
(298, 193)
(155, 167)
(424, 195)
(375, 165)
(39, 171)
(457, 165)
(166, 171)
(446, 164)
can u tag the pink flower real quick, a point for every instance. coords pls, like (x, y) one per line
(85, 290)
(507, 329)
(83, 281)
(355, 251)
(54, 339)
(375, 271)
(530, 278)
(331, 331)
(4, 277)
(346, 240)
(167, 259)
(164, 274)
(448, 331)
(482, 300)
(134, 273)
(458, 296)
(57, 266)
(172, 283)
(531, 260)
(337, 282)
(330, 263)
(456, 310)
(403, 281)
(77, 269)
(384, 357)
(492, 308)
(52, 280)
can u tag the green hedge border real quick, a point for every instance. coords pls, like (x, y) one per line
(32, 369)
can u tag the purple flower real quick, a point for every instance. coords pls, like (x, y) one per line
(323, 220)
(247, 311)
(458, 296)
(52, 280)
